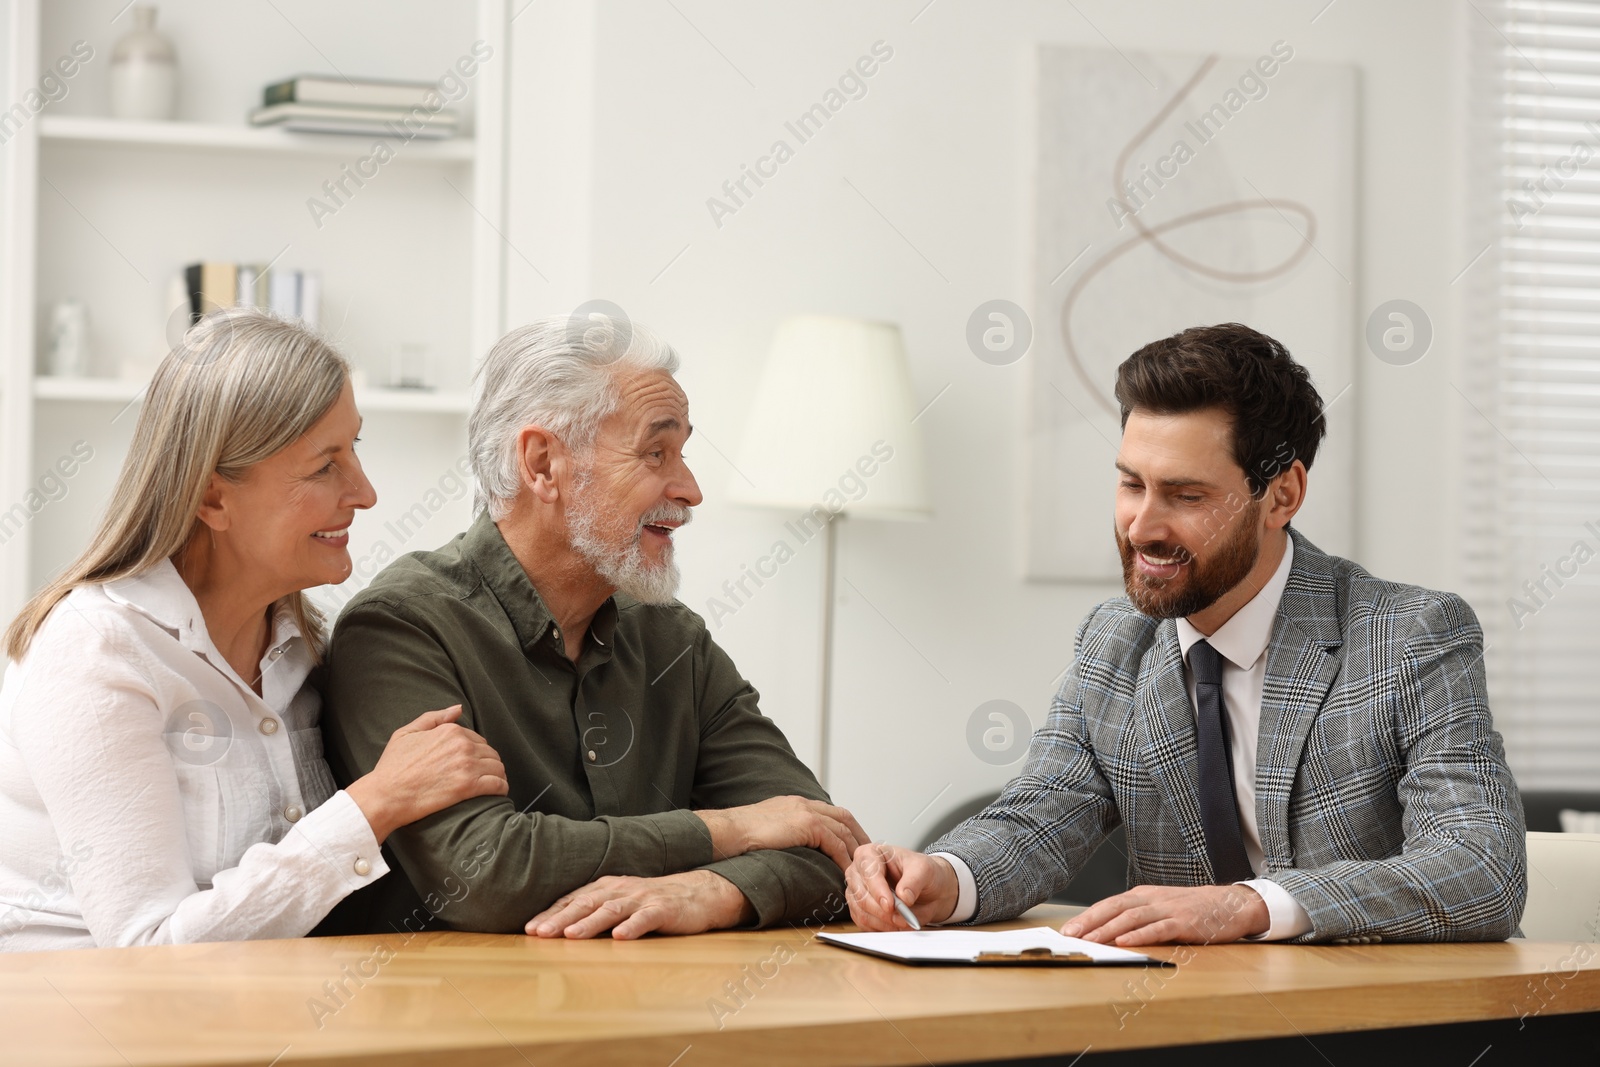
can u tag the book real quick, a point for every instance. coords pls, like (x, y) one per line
(284, 293)
(253, 286)
(210, 286)
(288, 294)
(362, 92)
(276, 113)
(311, 298)
(368, 129)
(318, 118)
(1039, 945)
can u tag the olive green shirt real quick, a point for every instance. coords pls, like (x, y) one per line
(605, 758)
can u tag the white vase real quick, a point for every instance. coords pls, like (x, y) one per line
(68, 354)
(144, 71)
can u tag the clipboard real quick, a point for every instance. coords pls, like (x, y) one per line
(1038, 946)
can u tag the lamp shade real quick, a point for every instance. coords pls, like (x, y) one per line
(831, 423)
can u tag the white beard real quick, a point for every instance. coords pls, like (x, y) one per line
(625, 568)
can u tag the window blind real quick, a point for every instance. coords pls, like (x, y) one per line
(1530, 389)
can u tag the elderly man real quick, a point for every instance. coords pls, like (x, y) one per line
(1298, 750)
(647, 792)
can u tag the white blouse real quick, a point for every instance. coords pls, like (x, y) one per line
(149, 796)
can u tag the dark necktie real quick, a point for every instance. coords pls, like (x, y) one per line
(1219, 812)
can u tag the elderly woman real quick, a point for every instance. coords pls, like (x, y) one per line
(161, 768)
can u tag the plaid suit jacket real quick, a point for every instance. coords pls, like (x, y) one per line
(1383, 798)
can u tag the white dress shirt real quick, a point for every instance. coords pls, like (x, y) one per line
(1242, 644)
(149, 796)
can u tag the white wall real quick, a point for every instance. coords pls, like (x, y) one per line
(658, 119)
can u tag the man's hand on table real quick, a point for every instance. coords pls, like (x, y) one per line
(784, 822)
(1165, 915)
(688, 903)
(927, 885)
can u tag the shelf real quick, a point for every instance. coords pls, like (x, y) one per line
(440, 402)
(111, 390)
(121, 391)
(216, 137)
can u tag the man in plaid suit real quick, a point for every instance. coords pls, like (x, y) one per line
(1298, 750)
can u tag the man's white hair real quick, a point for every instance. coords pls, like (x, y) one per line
(558, 373)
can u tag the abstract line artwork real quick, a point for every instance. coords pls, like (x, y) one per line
(1173, 191)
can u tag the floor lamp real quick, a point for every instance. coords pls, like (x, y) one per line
(834, 390)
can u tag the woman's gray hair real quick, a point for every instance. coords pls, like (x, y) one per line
(558, 373)
(239, 388)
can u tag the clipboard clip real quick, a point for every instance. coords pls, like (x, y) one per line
(1033, 955)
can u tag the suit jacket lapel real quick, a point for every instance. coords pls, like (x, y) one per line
(1167, 740)
(1301, 666)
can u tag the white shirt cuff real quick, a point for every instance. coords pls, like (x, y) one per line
(967, 897)
(343, 839)
(1286, 917)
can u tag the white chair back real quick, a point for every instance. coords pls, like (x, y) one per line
(1563, 888)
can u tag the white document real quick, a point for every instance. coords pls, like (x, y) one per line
(984, 946)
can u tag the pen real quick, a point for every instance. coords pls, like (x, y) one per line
(905, 913)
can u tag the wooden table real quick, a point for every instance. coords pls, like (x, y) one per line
(503, 1000)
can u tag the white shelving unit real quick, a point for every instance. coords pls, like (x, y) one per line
(106, 211)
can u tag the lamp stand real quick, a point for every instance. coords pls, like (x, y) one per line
(825, 710)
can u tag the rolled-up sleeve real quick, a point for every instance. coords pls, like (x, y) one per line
(745, 759)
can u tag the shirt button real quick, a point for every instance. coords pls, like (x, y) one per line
(293, 813)
(275, 653)
(363, 867)
(269, 726)
(591, 755)
(555, 631)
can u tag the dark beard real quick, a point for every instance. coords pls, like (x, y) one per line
(1207, 579)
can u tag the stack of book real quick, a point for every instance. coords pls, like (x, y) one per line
(290, 294)
(310, 104)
